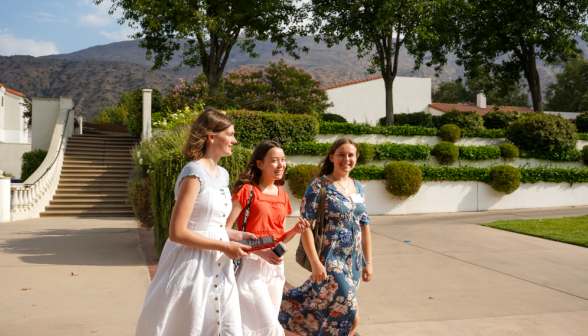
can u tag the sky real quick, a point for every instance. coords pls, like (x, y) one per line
(38, 28)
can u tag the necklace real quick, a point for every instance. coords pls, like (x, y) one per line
(347, 191)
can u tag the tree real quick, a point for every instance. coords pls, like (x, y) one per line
(569, 93)
(207, 30)
(379, 28)
(507, 38)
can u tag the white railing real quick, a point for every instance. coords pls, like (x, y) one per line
(30, 198)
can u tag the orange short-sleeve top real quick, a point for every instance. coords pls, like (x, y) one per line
(266, 213)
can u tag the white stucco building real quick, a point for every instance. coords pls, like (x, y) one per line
(12, 125)
(365, 100)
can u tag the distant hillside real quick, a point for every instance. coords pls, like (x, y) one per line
(90, 83)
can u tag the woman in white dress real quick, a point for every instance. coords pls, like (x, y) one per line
(194, 292)
(260, 278)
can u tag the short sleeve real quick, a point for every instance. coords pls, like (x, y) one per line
(309, 204)
(364, 218)
(191, 169)
(242, 195)
(226, 176)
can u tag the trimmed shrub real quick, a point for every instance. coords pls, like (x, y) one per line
(582, 122)
(135, 109)
(505, 178)
(403, 178)
(422, 119)
(449, 132)
(333, 117)
(478, 152)
(585, 154)
(509, 151)
(306, 148)
(31, 161)
(500, 119)
(366, 153)
(252, 128)
(299, 177)
(469, 120)
(543, 132)
(446, 152)
(392, 151)
(351, 128)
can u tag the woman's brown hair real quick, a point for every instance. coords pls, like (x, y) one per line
(209, 122)
(326, 165)
(252, 172)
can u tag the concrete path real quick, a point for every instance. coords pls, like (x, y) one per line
(457, 278)
(104, 298)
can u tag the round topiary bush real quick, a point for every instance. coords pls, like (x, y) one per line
(366, 153)
(403, 178)
(545, 132)
(500, 119)
(582, 122)
(449, 132)
(470, 120)
(445, 152)
(334, 118)
(505, 178)
(509, 151)
(299, 177)
(585, 154)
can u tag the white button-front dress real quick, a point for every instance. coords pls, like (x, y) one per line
(194, 290)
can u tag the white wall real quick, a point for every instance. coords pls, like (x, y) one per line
(366, 101)
(45, 112)
(10, 157)
(12, 126)
(448, 196)
(566, 115)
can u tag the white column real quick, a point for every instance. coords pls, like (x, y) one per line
(4, 198)
(146, 114)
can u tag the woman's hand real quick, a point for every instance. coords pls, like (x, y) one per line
(301, 226)
(269, 256)
(235, 250)
(246, 235)
(319, 273)
(366, 273)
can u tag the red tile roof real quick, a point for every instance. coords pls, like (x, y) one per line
(353, 82)
(12, 91)
(473, 108)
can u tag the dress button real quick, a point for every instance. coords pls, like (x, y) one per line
(221, 239)
(215, 286)
(225, 204)
(218, 323)
(216, 298)
(221, 226)
(219, 264)
(217, 275)
(217, 311)
(224, 215)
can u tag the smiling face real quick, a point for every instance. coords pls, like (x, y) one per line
(224, 141)
(344, 159)
(273, 164)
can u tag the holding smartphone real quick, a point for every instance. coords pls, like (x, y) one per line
(280, 249)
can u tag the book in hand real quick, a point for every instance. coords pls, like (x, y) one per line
(259, 243)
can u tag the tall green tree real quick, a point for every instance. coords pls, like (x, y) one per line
(203, 32)
(508, 37)
(569, 93)
(379, 28)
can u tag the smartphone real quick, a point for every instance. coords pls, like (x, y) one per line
(280, 249)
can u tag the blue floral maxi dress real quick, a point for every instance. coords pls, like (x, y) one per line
(328, 307)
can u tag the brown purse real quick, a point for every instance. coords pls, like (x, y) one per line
(317, 231)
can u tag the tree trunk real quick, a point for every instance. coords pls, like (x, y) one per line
(213, 80)
(535, 87)
(388, 83)
(529, 64)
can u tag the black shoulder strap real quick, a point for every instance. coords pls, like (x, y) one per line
(247, 208)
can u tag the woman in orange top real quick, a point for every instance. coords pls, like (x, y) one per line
(260, 279)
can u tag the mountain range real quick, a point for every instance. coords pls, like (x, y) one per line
(99, 75)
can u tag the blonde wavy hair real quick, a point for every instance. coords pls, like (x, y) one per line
(209, 122)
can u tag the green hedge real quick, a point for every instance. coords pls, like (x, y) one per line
(253, 128)
(582, 136)
(553, 155)
(306, 148)
(479, 152)
(31, 161)
(349, 128)
(163, 180)
(392, 151)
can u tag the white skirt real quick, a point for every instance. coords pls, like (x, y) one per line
(192, 294)
(260, 287)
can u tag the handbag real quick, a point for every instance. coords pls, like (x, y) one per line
(237, 261)
(317, 231)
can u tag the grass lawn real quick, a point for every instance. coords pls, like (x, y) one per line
(571, 230)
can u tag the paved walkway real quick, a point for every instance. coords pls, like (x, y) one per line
(452, 278)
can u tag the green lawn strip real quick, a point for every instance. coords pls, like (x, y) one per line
(571, 230)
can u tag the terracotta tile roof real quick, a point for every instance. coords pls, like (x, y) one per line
(12, 91)
(353, 82)
(479, 110)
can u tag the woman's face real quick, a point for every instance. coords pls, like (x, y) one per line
(224, 141)
(273, 164)
(344, 158)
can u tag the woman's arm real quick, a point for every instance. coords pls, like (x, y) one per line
(366, 243)
(236, 234)
(300, 227)
(178, 227)
(319, 273)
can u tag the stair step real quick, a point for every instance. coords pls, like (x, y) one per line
(77, 201)
(70, 166)
(97, 195)
(83, 164)
(89, 157)
(88, 213)
(86, 150)
(94, 175)
(88, 207)
(96, 144)
(93, 184)
(90, 190)
(98, 154)
(92, 170)
(67, 179)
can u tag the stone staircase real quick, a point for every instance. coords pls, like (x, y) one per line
(93, 178)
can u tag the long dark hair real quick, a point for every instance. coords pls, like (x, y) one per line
(252, 173)
(209, 122)
(326, 165)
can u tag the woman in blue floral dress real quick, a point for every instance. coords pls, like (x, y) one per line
(326, 303)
